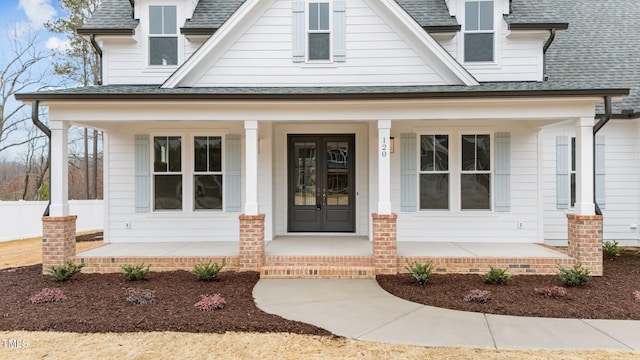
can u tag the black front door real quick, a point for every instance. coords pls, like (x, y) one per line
(321, 196)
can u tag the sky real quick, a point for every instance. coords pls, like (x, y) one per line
(18, 18)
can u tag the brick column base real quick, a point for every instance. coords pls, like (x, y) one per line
(585, 241)
(58, 240)
(385, 244)
(251, 242)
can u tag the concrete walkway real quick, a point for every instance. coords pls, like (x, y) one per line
(360, 309)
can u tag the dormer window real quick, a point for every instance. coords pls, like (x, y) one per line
(163, 36)
(479, 31)
(319, 32)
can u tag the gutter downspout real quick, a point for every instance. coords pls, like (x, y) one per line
(597, 127)
(96, 47)
(552, 36)
(35, 118)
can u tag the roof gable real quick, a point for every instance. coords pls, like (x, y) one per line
(434, 59)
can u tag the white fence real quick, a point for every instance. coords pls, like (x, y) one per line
(23, 219)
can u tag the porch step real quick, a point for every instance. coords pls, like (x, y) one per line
(317, 272)
(318, 267)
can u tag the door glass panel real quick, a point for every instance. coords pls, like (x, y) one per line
(337, 173)
(305, 173)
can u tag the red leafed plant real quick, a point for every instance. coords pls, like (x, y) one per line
(48, 295)
(210, 302)
(478, 296)
(636, 294)
(551, 291)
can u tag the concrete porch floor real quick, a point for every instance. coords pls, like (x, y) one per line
(324, 246)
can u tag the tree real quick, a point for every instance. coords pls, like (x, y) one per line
(20, 70)
(80, 64)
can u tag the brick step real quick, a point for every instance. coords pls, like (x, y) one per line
(318, 260)
(317, 272)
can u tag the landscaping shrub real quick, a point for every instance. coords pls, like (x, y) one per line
(578, 276)
(135, 272)
(420, 273)
(478, 296)
(210, 302)
(65, 271)
(611, 250)
(140, 296)
(496, 276)
(551, 291)
(208, 271)
(48, 295)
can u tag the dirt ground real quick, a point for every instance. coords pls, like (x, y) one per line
(230, 345)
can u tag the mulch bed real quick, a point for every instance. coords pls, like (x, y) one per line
(608, 297)
(97, 303)
(89, 237)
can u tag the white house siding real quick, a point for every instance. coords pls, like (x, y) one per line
(125, 59)
(519, 57)
(161, 226)
(621, 179)
(262, 56)
(474, 226)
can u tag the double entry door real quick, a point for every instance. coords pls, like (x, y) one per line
(321, 178)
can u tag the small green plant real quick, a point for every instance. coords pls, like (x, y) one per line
(420, 273)
(208, 271)
(496, 276)
(612, 250)
(135, 272)
(65, 271)
(578, 276)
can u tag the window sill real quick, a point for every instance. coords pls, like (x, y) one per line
(319, 64)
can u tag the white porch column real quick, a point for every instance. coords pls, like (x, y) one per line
(251, 147)
(384, 167)
(584, 167)
(59, 168)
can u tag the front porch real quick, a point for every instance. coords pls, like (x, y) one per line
(330, 256)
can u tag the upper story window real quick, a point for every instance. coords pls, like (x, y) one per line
(163, 35)
(479, 31)
(318, 32)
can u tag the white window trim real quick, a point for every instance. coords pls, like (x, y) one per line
(187, 171)
(497, 36)
(491, 172)
(449, 172)
(455, 171)
(154, 173)
(179, 42)
(307, 32)
(193, 172)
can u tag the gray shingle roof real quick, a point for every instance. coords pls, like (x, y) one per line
(535, 12)
(115, 15)
(211, 14)
(494, 89)
(429, 13)
(601, 46)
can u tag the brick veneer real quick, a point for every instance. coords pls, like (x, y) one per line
(108, 264)
(58, 240)
(480, 265)
(585, 241)
(251, 242)
(385, 247)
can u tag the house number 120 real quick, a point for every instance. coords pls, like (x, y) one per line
(384, 147)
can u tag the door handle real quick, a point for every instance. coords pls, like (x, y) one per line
(318, 200)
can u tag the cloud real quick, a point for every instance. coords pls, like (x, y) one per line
(38, 11)
(57, 44)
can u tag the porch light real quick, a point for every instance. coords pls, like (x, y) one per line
(392, 144)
